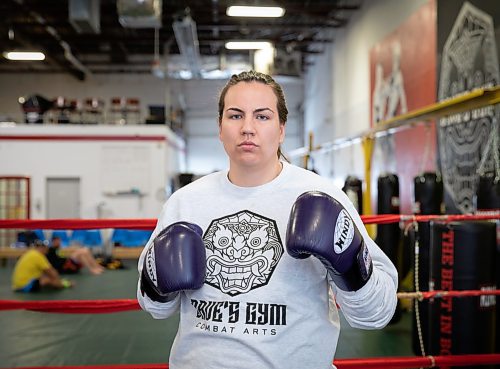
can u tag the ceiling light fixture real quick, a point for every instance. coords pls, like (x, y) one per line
(248, 45)
(255, 11)
(24, 55)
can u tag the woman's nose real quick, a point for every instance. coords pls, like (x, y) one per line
(248, 127)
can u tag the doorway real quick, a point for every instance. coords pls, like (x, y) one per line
(63, 198)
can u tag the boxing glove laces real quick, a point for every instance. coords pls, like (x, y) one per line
(319, 225)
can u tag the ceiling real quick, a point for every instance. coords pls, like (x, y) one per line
(102, 44)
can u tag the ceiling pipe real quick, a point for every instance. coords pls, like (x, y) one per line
(84, 72)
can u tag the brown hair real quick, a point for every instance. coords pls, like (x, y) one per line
(253, 76)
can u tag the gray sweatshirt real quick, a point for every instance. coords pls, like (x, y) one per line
(260, 308)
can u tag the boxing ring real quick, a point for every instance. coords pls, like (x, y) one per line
(113, 306)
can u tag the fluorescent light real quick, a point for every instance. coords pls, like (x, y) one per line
(255, 11)
(248, 45)
(24, 55)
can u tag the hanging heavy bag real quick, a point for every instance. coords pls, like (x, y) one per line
(487, 199)
(389, 235)
(487, 192)
(462, 258)
(353, 188)
(428, 200)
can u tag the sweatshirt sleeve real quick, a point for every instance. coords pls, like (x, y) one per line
(373, 305)
(158, 310)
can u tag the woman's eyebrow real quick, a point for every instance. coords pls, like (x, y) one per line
(235, 109)
(259, 110)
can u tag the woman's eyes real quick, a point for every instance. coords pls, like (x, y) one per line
(258, 117)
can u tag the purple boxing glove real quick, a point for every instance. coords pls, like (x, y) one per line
(320, 226)
(175, 261)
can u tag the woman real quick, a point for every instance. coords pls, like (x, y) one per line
(248, 296)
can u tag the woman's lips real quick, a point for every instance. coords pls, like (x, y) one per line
(247, 145)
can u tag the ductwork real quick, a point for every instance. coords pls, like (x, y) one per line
(187, 41)
(85, 15)
(139, 13)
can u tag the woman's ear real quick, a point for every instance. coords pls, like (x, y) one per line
(282, 132)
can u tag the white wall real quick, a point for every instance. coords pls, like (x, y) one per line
(338, 86)
(113, 160)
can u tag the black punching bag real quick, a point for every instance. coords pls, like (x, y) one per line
(185, 179)
(428, 194)
(462, 258)
(488, 193)
(487, 199)
(389, 235)
(428, 200)
(353, 187)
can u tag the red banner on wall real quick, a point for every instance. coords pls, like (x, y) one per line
(402, 79)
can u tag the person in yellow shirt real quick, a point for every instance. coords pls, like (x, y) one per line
(33, 271)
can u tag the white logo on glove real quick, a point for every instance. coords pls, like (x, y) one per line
(151, 265)
(344, 232)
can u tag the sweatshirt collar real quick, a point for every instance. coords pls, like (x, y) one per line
(229, 186)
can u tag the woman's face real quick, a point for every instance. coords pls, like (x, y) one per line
(250, 129)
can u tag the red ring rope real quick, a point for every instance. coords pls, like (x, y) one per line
(365, 363)
(72, 306)
(417, 362)
(149, 224)
(142, 224)
(117, 305)
(423, 295)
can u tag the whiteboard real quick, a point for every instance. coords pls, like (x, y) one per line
(125, 169)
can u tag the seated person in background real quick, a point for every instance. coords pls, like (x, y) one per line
(78, 258)
(33, 271)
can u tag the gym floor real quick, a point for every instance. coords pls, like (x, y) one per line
(53, 339)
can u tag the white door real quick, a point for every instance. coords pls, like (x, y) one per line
(63, 198)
